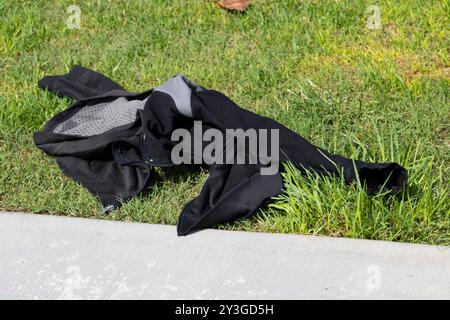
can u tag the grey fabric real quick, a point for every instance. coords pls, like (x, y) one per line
(178, 89)
(99, 118)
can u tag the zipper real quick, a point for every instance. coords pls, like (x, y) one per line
(146, 156)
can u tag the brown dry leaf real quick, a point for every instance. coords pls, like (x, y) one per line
(235, 5)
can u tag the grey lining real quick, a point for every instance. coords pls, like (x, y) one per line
(178, 89)
(99, 118)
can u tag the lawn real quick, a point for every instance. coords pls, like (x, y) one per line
(315, 66)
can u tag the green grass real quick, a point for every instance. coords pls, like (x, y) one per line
(378, 95)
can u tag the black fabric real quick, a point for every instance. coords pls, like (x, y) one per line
(231, 192)
(79, 83)
(116, 165)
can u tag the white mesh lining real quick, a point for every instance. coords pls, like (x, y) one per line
(99, 118)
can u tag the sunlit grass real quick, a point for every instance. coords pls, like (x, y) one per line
(377, 95)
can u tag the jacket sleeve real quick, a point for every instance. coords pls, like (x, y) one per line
(221, 112)
(231, 192)
(79, 83)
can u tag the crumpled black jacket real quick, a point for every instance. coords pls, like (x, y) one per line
(110, 139)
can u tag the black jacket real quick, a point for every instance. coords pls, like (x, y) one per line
(110, 139)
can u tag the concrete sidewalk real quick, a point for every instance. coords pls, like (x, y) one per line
(48, 257)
